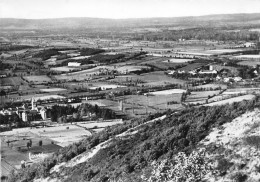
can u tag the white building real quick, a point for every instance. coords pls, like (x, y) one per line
(249, 44)
(43, 113)
(237, 79)
(74, 64)
(24, 117)
(171, 72)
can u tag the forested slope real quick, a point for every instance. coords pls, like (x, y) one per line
(127, 157)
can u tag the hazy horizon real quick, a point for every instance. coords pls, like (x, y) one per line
(123, 9)
(127, 18)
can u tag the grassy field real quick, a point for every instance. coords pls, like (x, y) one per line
(192, 66)
(163, 63)
(200, 97)
(208, 86)
(17, 150)
(16, 81)
(252, 63)
(220, 51)
(53, 89)
(232, 100)
(156, 103)
(240, 91)
(64, 69)
(154, 79)
(63, 135)
(168, 92)
(98, 124)
(81, 75)
(41, 97)
(175, 60)
(38, 79)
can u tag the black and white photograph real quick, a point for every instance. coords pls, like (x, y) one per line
(130, 90)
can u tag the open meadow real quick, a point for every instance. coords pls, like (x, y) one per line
(14, 148)
(62, 135)
(175, 60)
(232, 100)
(252, 63)
(200, 97)
(157, 78)
(15, 81)
(38, 79)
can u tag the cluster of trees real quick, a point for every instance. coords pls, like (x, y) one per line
(126, 158)
(107, 58)
(187, 76)
(11, 120)
(247, 72)
(60, 113)
(46, 54)
(14, 47)
(4, 66)
(90, 51)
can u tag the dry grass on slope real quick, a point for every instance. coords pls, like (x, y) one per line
(235, 148)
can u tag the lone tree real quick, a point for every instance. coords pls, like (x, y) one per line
(28, 145)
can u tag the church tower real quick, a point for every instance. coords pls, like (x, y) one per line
(33, 104)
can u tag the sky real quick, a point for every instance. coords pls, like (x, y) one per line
(117, 9)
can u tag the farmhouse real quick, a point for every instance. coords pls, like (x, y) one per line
(74, 64)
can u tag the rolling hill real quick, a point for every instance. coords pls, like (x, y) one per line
(82, 23)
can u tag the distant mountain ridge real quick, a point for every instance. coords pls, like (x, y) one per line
(75, 23)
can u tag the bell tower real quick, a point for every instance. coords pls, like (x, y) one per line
(33, 105)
